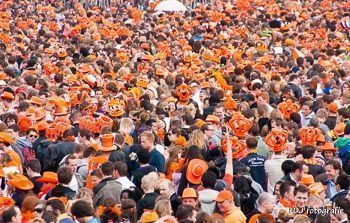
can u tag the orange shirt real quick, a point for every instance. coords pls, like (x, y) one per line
(235, 215)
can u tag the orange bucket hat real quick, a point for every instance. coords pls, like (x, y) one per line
(39, 114)
(21, 182)
(328, 146)
(212, 119)
(195, 170)
(189, 193)
(48, 177)
(107, 143)
(36, 100)
(339, 129)
(277, 140)
(6, 138)
(7, 96)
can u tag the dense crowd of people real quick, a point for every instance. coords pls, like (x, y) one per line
(231, 112)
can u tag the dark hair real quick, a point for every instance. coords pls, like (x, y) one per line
(57, 205)
(308, 152)
(287, 166)
(64, 175)
(335, 164)
(8, 214)
(85, 133)
(97, 173)
(184, 212)
(143, 156)
(34, 165)
(301, 188)
(49, 216)
(202, 217)
(69, 157)
(121, 167)
(209, 179)
(193, 152)
(107, 168)
(89, 151)
(14, 127)
(297, 166)
(252, 142)
(81, 208)
(343, 182)
(285, 187)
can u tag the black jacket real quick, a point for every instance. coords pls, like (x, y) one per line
(61, 191)
(139, 173)
(147, 202)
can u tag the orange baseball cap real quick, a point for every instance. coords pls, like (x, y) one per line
(224, 195)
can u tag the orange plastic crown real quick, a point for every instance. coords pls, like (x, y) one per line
(240, 124)
(288, 107)
(309, 136)
(277, 140)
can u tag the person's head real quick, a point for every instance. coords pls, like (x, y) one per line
(81, 211)
(252, 142)
(64, 175)
(186, 212)
(96, 177)
(147, 140)
(301, 195)
(224, 200)
(219, 111)
(166, 187)
(32, 135)
(143, 156)
(121, 169)
(297, 170)
(209, 179)
(189, 197)
(209, 130)
(343, 182)
(107, 169)
(266, 203)
(71, 162)
(287, 190)
(13, 130)
(147, 184)
(162, 206)
(84, 134)
(56, 206)
(33, 167)
(307, 108)
(287, 166)
(39, 208)
(333, 169)
(11, 215)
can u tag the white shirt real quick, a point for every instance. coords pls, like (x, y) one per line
(125, 182)
(74, 184)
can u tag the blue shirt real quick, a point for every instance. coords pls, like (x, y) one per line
(157, 160)
(331, 189)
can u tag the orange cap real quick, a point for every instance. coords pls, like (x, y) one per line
(224, 195)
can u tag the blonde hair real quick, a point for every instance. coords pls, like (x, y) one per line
(147, 183)
(197, 138)
(125, 125)
(163, 207)
(276, 113)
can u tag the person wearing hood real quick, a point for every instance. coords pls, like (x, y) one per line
(208, 195)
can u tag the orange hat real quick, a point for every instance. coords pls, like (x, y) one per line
(6, 138)
(288, 107)
(321, 138)
(189, 193)
(30, 111)
(8, 96)
(200, 123)
(277, 140)
(36, 100)
(149, 216)
(42, 125)
(333, 107)
(316, 188)
(24, 123)
(104, 121)
(51, 132)
(180, 141)
(205, 85)
(230, 104)
(48, 177)
(240, 125)
(308, 135)
(213, 119)
(328, 146)
(307, 179)
(62, 119)
(107, 143)
(239, 147)
(89, 123)
(224, 195)
(116, 107)
(339, 129)
(39, 114)
(6, 202)
(61, 107)
(21, 182)
(195, 170)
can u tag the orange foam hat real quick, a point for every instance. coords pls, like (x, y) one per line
(308, 136)
(277, 140)
(288, 107)
(240, 125)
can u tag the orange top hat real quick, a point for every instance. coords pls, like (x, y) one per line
(307, 179)
(39, 114)
(107, 143)
(8, 96)
(189, 193)
(213, 119)
(239, 147)
(48, 177)
(21, 182)
(277, 140)
(288, 107)
(36, 100)
(240, 125)
(224, 195)
(308, 136)
(24, 123)
(6, 138)
(195, 170)
(339, 129)
(230, 104)
(328, 146)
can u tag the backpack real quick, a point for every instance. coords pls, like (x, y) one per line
(28, 154)
(41, 153)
